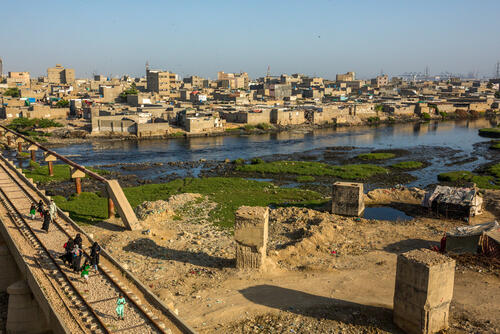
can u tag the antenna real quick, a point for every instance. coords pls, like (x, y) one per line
(147, 66)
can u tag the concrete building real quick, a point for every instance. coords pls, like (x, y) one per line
(233, 80)
(161, 81)
(349, 76)
(280, 91)
(195, 81)
(287, 117)
(60, 75)
(19, 79)
(380, 81)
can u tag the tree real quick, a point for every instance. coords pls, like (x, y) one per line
(497, 94)
(14, 92)
(62, 103)
(131, 91)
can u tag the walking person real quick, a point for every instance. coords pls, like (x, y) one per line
(32, 211)
(52, 209)
(78, 240)
(85, 271)
(67, 257)
(46, 221)
(77, 258)
(120, 306)
(39, 208)
(94, 254)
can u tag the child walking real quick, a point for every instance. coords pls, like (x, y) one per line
(33, 211)
(120, 306)
(85, 271)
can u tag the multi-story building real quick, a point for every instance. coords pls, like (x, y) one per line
(60, 75)
(349, 76)
(233, 80)
(195, 81)
(161, 81)
(381, 80)
(18, 79)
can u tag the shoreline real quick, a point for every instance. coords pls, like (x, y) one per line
(58, 142)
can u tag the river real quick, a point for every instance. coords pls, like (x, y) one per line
(458, 138)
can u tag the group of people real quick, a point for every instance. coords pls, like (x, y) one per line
(74, 250)
(74, 253)
(47, 215)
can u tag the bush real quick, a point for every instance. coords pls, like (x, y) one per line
(373, 120)
(248, 127)
(495, 145)
(376, 156)
(443, 114)
(425, 116)
(255, 161)
(263, 126)
(379, 107)
(13, 92)
(239, 161)
(62, 103)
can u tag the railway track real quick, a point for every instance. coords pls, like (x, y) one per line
(91, 305)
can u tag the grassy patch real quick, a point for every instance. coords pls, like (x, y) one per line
(232, 129)
(248, 127)
(228, 193)
(495, 170)
(425, 116)
(495, 145)
(461, 177)
(305, 178)
(177, 134)
(408, 165)
(490, 132)
(264, 126)
(353, 172)
(376, 156)
(40, 174)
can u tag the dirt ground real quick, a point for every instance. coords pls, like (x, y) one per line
(324, 273)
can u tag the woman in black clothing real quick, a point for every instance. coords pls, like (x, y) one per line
(94, 254)
(78, 241)
(46, 221)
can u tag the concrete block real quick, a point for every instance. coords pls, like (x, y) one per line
(347, 199)
(423, 291)
(250, 234)
(23, 314)
(115, 192)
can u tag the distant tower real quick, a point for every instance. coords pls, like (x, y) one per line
(427, 72)
(268, 71)
(1, 68)
(497, 74)
(147, 66)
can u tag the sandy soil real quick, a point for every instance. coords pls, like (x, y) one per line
(324, 274)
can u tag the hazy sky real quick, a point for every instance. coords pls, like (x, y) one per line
(114, 37)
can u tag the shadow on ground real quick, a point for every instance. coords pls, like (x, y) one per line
(321, 308)
(409, 244)
(148, 247)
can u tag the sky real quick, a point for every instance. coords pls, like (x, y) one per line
(322, 38)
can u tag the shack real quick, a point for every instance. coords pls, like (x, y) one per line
(454, 202)
(469, 239)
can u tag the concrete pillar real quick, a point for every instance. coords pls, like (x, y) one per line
(33, 149)
(19, 147)
(24, 315)
(111, 208)
(347, 199)
(250, 234)
(50, 159)
(424, 289)
(9, 272)
(77, 175)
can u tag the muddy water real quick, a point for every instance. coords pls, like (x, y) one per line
(445, 146)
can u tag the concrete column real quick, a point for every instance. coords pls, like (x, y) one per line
(51, 168)
(33, 149)
(78, 185)
(8, 272)
(347, 199)
(77, 175)
(111, 208)
(424, 289)
(24, 315)
(250, 234)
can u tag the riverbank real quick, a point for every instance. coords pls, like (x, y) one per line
(75, 135)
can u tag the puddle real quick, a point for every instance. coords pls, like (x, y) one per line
(385, 213)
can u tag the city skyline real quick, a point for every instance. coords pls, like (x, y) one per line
(116, 38)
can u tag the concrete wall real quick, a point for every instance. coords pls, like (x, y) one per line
(152, 129)
(287, 117)
(40, 111)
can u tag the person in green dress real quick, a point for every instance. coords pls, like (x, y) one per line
(33, 211)
(85, 271)
(120, 306)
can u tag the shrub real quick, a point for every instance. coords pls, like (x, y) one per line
(443, 114)
(248, 127)
(425, 116)
(263, 126)
(255, 161)
(239, 161)
(379, 107)
(13, 92)
(373, 120)
(461, 177)
(495, 145)
(62, 103)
